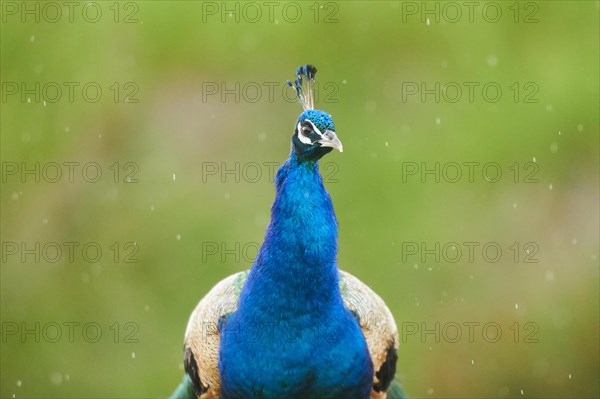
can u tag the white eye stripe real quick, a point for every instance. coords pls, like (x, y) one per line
(302, 137)
(305, 139)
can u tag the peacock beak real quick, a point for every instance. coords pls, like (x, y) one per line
(330, 140)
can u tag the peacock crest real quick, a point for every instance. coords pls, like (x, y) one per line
(305, 79)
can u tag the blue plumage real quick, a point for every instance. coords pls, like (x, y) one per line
(285, 329)
(322, 120)
(291, 336)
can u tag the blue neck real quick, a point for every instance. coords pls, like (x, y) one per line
(295, 276)
(291, 336)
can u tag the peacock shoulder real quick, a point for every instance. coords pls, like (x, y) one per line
(202, 336)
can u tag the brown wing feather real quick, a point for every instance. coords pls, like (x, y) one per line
(378, 327)
(202, 335)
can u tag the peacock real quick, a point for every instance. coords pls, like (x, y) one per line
(294, 326)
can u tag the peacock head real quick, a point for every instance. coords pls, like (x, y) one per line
(314, 135)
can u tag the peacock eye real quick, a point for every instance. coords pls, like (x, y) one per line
(307, 130)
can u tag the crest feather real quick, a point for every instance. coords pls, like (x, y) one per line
(304, 85)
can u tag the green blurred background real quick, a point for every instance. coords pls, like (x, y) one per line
(174, 214)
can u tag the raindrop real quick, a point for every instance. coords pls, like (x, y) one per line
(44, 103)
(387, 144)
(31, 38)
(569, 376)
(344, 81)
(533, 159)
(56, 378)
(522, 393)
(472, 361)
(174, 177)
(516, 306)
(45, 220)
(67, 129)
(19, 383)
(550, 187)
(574, 241)
(438, 120)
(492, 60)
(178, 237)
(428, 22)
(416, 266)
(515, 205)
(133, 355)
(151, 208)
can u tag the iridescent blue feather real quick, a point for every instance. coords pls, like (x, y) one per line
(289, 334)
